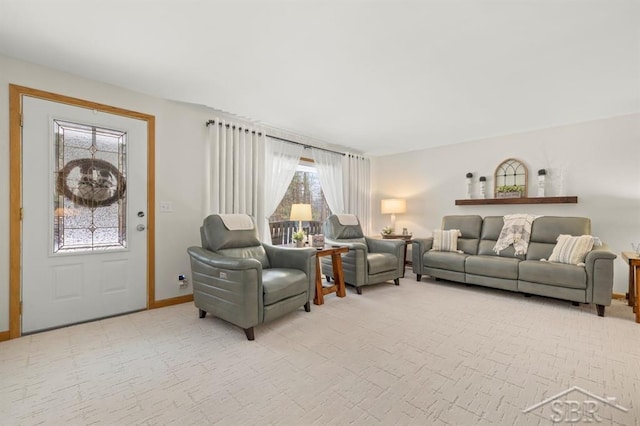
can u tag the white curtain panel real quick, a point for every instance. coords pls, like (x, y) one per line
(282, 159)
(329, 167)
(235, 167)
(357, 188)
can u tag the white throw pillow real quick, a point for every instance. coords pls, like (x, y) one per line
(572, 250)
(446, 240)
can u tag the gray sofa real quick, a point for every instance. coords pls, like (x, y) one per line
(479, 264)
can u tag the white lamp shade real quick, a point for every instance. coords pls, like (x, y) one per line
(393, 205)
(301, 212)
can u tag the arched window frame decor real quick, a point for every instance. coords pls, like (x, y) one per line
(511, 176)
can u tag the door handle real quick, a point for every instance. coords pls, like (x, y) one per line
(140, 227)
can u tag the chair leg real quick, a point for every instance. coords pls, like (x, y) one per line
(600, 309)
(328, 278)
(418, 277)
(307, 307)
(202, 313)
(396, 281)
(359, 290)
(249, 333)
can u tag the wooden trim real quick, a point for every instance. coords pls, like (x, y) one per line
(521, 200)
(16, 93)
(15, 204)
(151, 211)
(172, 301)
(4, 335)
(618, 296)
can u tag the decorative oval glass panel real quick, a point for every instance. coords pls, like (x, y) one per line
(511, 179)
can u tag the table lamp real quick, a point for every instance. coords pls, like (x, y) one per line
(393, 206)
(301, 212)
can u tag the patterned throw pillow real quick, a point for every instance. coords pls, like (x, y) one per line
(572, 250)
(446, 240)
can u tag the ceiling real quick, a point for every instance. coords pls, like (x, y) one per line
(379, 77)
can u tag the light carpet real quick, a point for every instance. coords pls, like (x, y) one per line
(429, 353)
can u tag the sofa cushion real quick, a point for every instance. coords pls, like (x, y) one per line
(545, 231)
(444, 260)
(491, 229)
(281, 283)
(571, 250)
(558, 274)
(492, 266)
(381, 262)
(446, 240)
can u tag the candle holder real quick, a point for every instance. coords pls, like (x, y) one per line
(483, 186)
(542, 175)
(469, 184)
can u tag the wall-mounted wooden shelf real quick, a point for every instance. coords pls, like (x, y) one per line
(523, 200)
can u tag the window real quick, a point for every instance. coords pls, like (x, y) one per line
(89, 206)
(304, 188)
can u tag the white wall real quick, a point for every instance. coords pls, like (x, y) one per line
(599, 161)
(180, 134)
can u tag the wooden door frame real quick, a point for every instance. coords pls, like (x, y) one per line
(16, 95)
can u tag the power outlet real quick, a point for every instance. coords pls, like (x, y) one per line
(182, 281)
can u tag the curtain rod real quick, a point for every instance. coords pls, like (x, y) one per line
(305, 145)
(233, 126)
(210, 122)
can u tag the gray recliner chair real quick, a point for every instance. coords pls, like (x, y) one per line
(240, 280)
(369, 260)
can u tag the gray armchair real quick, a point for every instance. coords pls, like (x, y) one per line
(369, 260)
(240, 280)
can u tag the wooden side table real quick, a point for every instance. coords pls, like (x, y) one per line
(634, 281)
(338, 286)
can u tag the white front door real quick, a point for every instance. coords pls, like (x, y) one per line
(84, 193)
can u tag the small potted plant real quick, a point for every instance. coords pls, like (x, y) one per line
(298, 238)
(387, 230)
(510, 191)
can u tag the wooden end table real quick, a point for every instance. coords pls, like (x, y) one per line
(338, 286)
(634, 281)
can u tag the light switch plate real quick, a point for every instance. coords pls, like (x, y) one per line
(166, 207)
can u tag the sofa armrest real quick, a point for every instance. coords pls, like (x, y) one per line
(418, 248)
(215, 260)
(228, 288)
(354, 263)
(353, 245)
(289, 257)
(376, 245)
(599, 267)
